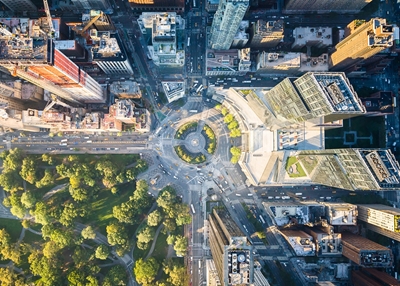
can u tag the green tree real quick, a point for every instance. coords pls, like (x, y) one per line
(47, 158)
(28, 170)
(178, 275)
(114, 190)
(125, 212)
(233, 125)
(10, 278)
(116, 276)
(116, 234)
(50, 249)
(17, 208)
(169, 224)
(182, 214)
(228, 118)
(48, 269)
(10, 180)
(180, 246)
(235, 159)
(261, 234)
(62, 238)
(235, 133)
(224, 111)
(171, 239)
(46, 180)
(102, 252)
(88, 233)
(13, 160)
(154, 218)
(41, 213)
(146, 271)
(140, 196)
(218, 106)
(68, 214)
(236, 151)
(144, 236)
(76, 277)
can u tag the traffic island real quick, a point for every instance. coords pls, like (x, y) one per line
(189, 157)
(211, 141)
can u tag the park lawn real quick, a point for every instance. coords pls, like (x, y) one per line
(101, 209)
(12, 226)
(161, 247)
(139, 253)
(291, 161)
(31, 238)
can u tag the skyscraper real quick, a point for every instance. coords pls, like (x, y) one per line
(314, 95)
(226, 23)
(230, 250)
(20, 5)
(91, 4)
(365, 39)
(39, 62)
(352, 169)
(325, 6)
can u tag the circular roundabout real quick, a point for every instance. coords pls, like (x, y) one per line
(195, 142)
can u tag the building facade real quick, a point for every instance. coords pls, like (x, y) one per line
(365, 252)
(91, 5)
(163, 27)
(158, 5)
(109, 53)
(325, 6)
(230, 250)
(365, 39)
(314, 95)
(354, 169)
(226, 23)
(266, 34)
(20, 5)
(381, 216)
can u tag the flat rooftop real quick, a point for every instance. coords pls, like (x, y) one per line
(309, 35)
(314, 64)
(227, 60)
(338, 90)
(281, 61)
(342, 213)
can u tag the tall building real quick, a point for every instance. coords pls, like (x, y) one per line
(319, 37)
(372, 277)
(380, 215)
(266, 34)
(365, 252)
(353, 169)
(230, 250)
(365, 39)
(109, 53)
(158, 5)
(314, 95)
(325, 6)
(30, 56)
(20, 5)
(163, 29)
(226, 22)
(91, 4)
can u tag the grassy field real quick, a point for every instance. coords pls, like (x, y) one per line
(31, 238)
(12, 226)
(101, 209)
(300, 172)
(161, 247)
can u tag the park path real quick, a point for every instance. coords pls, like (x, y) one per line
(160, 227)
(53, 191)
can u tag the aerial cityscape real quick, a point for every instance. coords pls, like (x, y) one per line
(199, 142)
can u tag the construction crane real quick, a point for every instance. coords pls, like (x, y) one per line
(48, 16)
(54, 100)
(90, 23)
